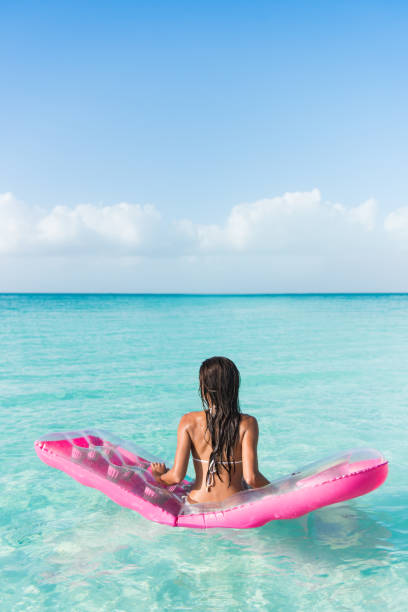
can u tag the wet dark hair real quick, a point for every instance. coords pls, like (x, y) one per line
(219, 386)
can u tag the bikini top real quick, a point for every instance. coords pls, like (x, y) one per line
(210, 479)
(226, 462)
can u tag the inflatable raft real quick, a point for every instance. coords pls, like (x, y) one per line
(120, 470)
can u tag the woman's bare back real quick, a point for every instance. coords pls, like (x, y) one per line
(223, 486)
(193, 437)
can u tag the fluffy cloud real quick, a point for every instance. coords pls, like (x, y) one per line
(295, 223)
(294, 242)
(118, 229)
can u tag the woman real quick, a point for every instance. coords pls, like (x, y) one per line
(223, 442)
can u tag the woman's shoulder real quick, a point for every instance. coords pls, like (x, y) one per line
(248, 421)
(190, 418)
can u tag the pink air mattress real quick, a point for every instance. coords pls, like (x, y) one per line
(120, 470)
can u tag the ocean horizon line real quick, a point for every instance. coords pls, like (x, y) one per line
(203, 294)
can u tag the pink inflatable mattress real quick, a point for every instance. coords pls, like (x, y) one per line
(120, 470)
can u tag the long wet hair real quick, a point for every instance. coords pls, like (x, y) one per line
(219, 386)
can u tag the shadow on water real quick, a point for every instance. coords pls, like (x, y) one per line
(343, 533)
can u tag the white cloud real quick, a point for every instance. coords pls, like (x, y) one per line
(117, 229)
(293, 223)
(294, 242)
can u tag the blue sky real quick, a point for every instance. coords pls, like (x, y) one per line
(196, 108)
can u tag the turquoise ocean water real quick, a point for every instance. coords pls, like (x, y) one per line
(321, 374)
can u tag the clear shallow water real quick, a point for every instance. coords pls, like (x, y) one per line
(321, 373)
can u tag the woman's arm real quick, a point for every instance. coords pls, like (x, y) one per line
(179, 469)
(251, 473)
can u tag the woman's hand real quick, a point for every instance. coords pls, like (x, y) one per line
(158, 469)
